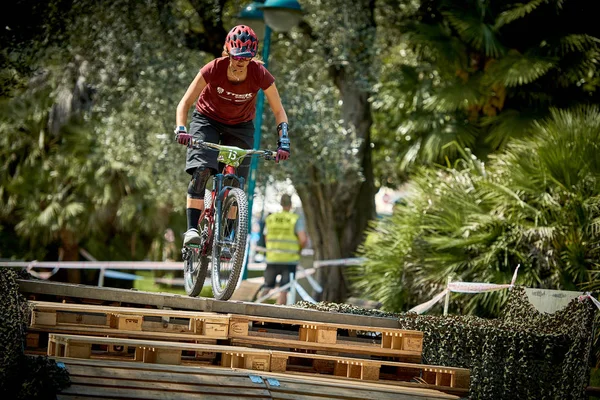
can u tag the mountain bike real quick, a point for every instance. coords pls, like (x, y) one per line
(223, 226)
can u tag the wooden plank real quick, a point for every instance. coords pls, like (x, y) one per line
(150, 351)
(33, 340)
(287, 389)
(43, 318)
(125, 322)
(364, 369)
(301, 389)
(228, 375)
(79, 318)
(61, 338)
(326, 325)
(64, 396)
(392, 342)
(148, 393)
(246, 291)
(158, 335)
(214, 371)
(66, 290)
(51, 306)
(101, 370)
(339, 348)
(134, 382)
(262, 360)
(54, 314)
(386, 387)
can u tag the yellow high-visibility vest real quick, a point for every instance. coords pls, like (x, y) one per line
(282, 242)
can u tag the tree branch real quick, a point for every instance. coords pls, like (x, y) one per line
(211, 39)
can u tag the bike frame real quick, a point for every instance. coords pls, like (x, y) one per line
(212, 222)
(229, 172)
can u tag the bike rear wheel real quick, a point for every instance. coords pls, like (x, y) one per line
(229, 245)
(195, 264)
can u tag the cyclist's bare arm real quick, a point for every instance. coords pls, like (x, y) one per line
(191, 94)
(275, 103)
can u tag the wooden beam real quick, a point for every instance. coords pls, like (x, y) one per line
(178, 302)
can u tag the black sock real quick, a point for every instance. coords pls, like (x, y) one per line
(193, 215)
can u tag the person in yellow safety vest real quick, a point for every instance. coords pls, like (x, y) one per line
(285, 238)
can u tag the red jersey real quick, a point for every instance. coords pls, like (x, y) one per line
(231, 102)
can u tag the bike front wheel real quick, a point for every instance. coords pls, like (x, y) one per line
(196, 258)
(229, 244)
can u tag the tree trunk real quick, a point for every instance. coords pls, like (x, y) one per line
(337, 214)
(69, 251)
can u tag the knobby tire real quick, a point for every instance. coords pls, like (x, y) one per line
(193, 280)
(235, 197)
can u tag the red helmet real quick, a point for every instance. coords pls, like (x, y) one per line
(241, 41)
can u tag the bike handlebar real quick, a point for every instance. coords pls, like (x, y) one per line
(198, 144)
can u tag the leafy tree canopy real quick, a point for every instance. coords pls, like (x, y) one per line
(536, 204)
(477, 73)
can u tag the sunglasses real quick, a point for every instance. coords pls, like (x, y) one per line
(238, 58)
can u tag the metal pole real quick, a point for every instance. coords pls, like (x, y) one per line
(260, 103)
(447, 299)
(291, 297)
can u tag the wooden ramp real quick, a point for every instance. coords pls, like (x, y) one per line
(263, 360)
(104, 379)
(309, 354)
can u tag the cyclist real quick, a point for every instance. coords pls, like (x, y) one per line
(225, 92)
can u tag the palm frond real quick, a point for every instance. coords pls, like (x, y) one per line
(476, 32)
(518, 69)
(454, 96)
(519, 11)
(579, 67)
(577, 42)
(507, 125)
(434, 42)
(49, 215)
(73, 210)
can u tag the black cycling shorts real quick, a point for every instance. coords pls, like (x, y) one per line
(207, 129)
(272, 270)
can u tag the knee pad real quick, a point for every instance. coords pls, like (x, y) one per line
(198, 183)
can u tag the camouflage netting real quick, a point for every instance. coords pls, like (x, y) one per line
(522, 355)
(21, 376)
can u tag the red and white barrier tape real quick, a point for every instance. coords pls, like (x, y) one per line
(464, 287)
(588, 295)
(421, 308)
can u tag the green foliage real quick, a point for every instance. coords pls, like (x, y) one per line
(23, 377)
(536, 204)
(86, 144)
(477, 66)
(305, 69)
(319, 138)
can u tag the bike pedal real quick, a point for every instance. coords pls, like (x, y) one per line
(185, 254)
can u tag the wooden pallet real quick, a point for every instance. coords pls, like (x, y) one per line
(264, 360)
(91, 379)
(153, 351)
(404, 345)
(372, 370)
(125, 321)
